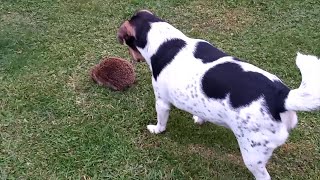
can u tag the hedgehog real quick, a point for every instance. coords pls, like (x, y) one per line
(115, 73)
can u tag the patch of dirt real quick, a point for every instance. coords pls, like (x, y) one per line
(208, 153)
(145, 142)
(236, 19)
(302, 154)
(230, 19)
(291, 147)
(16, 18)
(205, 152)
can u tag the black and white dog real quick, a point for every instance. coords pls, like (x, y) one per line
(194, 76)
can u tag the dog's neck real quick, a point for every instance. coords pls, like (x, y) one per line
(159, 33)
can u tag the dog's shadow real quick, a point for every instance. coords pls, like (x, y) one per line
(208, 144)
(182, 129)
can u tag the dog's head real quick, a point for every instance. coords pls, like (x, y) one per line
(133, 32)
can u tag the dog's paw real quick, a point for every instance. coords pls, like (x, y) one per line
(154, 129)
(198, 120)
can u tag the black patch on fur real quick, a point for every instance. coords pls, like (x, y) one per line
(244, 87)
(165, 54)
(262, 111)
(141, 22)
(245, 121)
(265, 143)
(254, 144)
(256, 129)
(207, 52)
(130, 41)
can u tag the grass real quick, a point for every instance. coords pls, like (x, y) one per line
(55, 123)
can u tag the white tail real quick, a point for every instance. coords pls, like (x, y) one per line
(307, 96)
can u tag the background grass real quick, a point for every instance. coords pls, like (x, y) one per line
(55, 123)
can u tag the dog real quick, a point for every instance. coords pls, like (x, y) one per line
(195, 76)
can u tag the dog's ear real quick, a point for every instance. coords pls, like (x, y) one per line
(125, 32)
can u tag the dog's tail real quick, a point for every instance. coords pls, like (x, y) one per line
(307, 96)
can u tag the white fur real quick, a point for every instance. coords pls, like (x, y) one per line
(257, 134)
(307, 96)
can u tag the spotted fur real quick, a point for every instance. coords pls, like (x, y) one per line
(194, 76)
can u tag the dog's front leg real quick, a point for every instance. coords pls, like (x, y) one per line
(163, 109)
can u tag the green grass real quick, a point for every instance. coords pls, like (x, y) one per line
(55, 123)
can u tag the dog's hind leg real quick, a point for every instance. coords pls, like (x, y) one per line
(257, 146)
(163, 110)
(255, 155)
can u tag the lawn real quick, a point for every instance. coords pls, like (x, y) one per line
(55, 123)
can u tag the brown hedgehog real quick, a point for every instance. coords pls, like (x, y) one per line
(115, 73)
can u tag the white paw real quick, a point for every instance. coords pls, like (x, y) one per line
(154, 129)
(197, 120)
